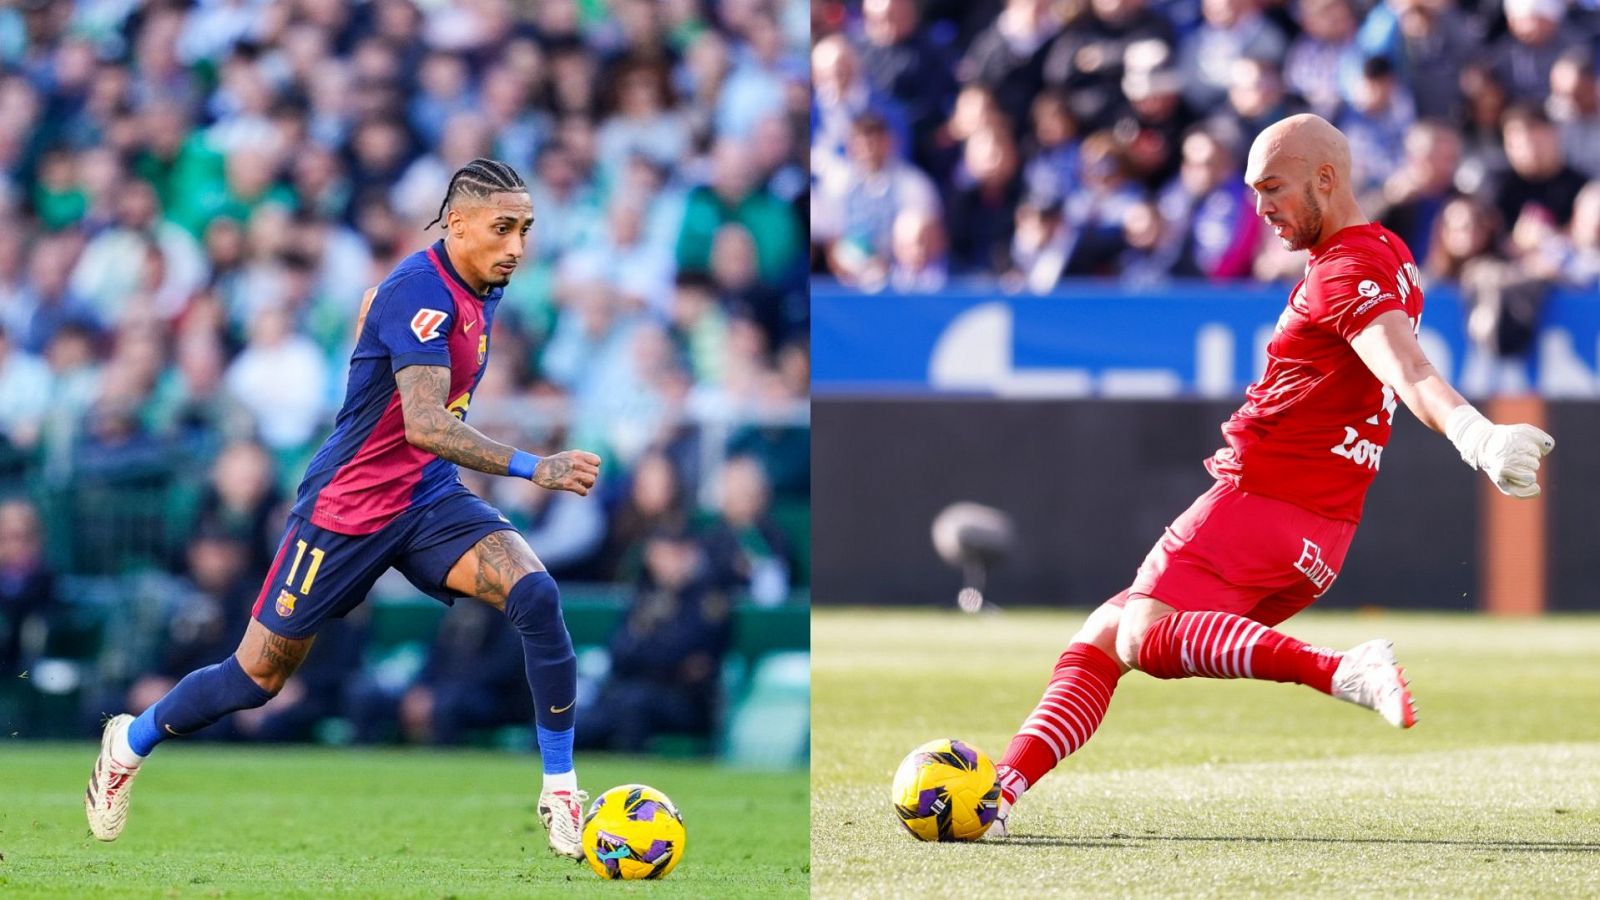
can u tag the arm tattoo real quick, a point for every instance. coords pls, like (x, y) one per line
(284, 654)
(424, 391)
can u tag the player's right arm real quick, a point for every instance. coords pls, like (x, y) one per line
(411, 318)
(1508, 454)
(432, 427)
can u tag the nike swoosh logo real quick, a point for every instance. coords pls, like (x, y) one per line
(173, 733)
(470, 325)
(562, 709)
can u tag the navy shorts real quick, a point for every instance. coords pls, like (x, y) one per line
(320, 574)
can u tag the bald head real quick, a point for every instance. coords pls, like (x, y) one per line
(1299, 168)
(1300, 144)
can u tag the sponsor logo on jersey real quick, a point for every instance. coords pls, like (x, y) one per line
(1311, 565)
(285, 604)
(1368, 288)
(1368, 304)
(425, 324)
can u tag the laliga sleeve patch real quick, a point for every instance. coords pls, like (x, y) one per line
(425, 324)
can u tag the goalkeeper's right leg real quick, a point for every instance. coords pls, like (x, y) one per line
(1067, 715)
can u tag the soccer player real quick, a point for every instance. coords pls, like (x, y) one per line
(1269, 537)
(384, 491)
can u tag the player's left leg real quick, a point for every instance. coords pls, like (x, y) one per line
(1232, 565)
(1166, 642)
(502, 570)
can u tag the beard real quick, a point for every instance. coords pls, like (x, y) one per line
(1305, 235)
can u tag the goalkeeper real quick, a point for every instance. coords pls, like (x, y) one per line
(1271, 534)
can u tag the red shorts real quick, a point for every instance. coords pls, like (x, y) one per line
(1244, 554)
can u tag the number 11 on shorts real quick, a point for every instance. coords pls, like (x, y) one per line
(311, 570)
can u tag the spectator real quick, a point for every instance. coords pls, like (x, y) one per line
(1154, 124)
(732, 195)
(1430, 43)
(1322, 58)
(1483, 151)
(1233, 30)
(1008, 56)
(854, 207)
(1522, 58)
(1256, 99)
(25, 388)
(1150, 256)
(902, 62)
(1052, 158)
(760, 77)
(1040, 247)
(241, 500)
(281, 377)
(1375, 123)
(921, 264)
(27, 585)
(48, 302)
(1574, 106)
(985, 192)
(206, 612)
(644, 121)
(745, 546)
(1411, 198)
(1209, 211)
(141, 247)
(1088, 59)
(841, 99)
(1581, 267)
(1094, 215)
(666, 656)
(473, 678)
(1465, 230)
(1539, 176)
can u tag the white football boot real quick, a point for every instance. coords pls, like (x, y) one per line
(1008, 778)
(110, 784)
(562, 815)
(999, 827)
(1369, 676)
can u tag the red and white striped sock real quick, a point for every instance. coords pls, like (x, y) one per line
(1067, 715)
(1223, 645)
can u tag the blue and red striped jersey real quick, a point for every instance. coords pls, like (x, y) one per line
(366, 473)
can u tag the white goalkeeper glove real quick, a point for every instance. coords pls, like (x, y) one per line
(1508, 454)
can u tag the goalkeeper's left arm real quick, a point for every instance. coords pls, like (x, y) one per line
(1508, 454)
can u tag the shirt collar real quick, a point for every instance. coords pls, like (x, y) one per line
(1328, 241)
(444, 260)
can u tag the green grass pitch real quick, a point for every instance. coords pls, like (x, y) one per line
(212, 821)
(1222, 788)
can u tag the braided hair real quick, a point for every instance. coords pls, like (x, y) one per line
(478, 178)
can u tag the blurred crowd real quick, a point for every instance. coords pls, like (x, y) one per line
(195, 195)
(1027, 141)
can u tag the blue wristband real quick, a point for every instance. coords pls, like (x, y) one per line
(522, 464)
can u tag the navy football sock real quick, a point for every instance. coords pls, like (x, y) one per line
(534, 607)
(201, 698)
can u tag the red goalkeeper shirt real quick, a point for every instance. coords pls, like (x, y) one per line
(1312, 430)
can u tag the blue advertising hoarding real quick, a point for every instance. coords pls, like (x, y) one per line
(1097, 339)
